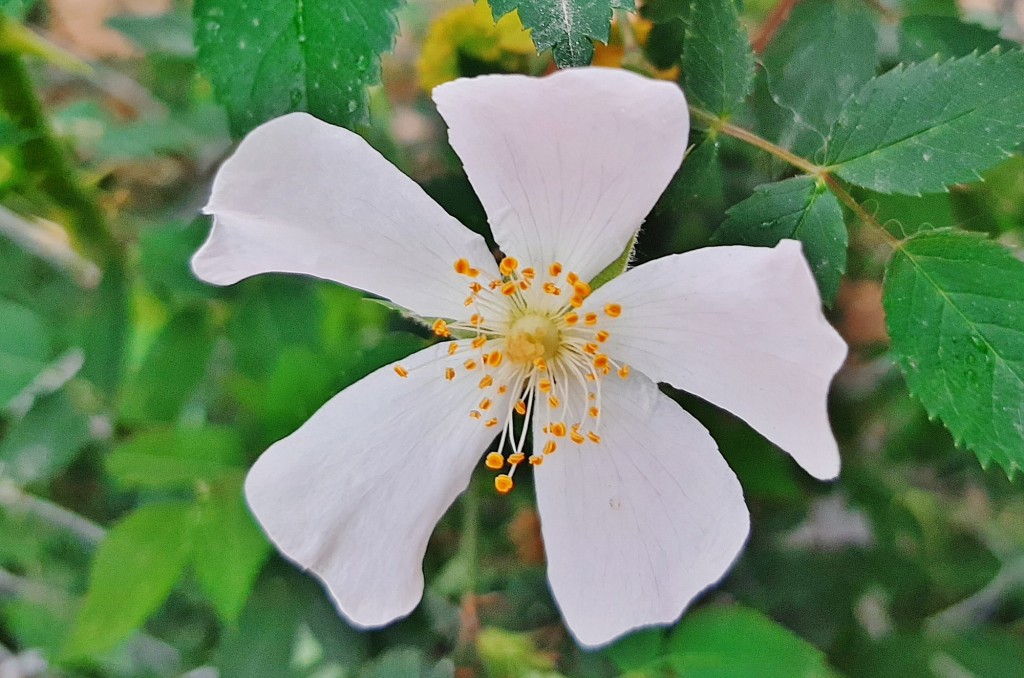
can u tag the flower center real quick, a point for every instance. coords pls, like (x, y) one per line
(532, 337)
(533, 347)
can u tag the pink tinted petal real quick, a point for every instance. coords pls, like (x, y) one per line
(566, 166)
(302, 196)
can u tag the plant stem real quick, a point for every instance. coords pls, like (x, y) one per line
(715, 124)
(772, 24)
(45, 158)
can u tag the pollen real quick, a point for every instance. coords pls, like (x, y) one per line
(486, 381)
(491, 423)
(476, 320)
(401, 371)
(473, 414)
(449, 373)
(494, 358)
(479, 342)
(509, 288)
(594, 412)
(624, 371)
(572, 278)
(581, 288)
(571, 318)
(590, 319)
(550, 447)
(536, 460)
(601, 362)
(528, 273)
(544, 386)
(558, 429)
(517, 458)
(594, 438)
(462, 266)
(602, 336)
(576, 301)
(576, 437)
(452, 348)
(552, 289)
(485, 404)
(503, 484)
(508, 265)
(613, 310)
(441, 328)
(469, 364)
(553, 402)
(555, 270)
(494, 461)
(520, 407)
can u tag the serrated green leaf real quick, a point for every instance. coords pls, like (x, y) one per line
(24, 349)
(567, 27)
(798, 209)
(925, 37)
(171, 370)
(806, 80)
(229, 549)
(737, 642)
(134, 571)
(954, 306)
(266, 58)
(919, 129)
(176, 458)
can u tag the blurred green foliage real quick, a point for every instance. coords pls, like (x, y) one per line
(134, 401)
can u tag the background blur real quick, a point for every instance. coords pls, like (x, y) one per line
(910, 566)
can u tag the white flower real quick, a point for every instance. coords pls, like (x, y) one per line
(639, 512)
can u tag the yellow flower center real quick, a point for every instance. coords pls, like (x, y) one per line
(534, 352)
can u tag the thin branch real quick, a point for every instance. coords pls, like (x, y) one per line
(14, 499)
(772, 24)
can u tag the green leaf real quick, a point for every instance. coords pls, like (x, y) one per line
(924, 37)
(567, 27)
(736, 642)
(954, 305)
(135, 569)
(798, 209)
(45, 441)
(807, 79)
(172, 369)
(24, 349)
(921, 128)
(176, 458)
(229, 550)
(270, 57)
(717, 61)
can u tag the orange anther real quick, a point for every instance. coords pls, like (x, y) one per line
(468, 302)
(486, 381)
(540, 364)
(576, 437)
(571, 318)
(576, 301)
(517, 458)
(452, 348)
(473, 272)
(401, 371)
(624, 371)
(491, 423)
(476, 320)
(502, 390)
(441, 328)
(449, 373)
(590, 319)
(544, 385)
(536, 461)
(553, 402)
(550, 447)
(524, 284)
(594, 438)
(590, 348)
(581, 288)
(494, 461)
(558, 429)
(594, 412)
(494, 358)
(520, 407)
(473, 414)
(479, 342)
(469, 364)
(602, 336)
(508, 265)
(601, 362)
(528, 273)
(555, 270)
(571, 278)
(494, 284)
(485, 404)
(503, 484)
(475, 287)
(552, 289)
(509, 288)
(462, 266)
(613, 310)
(591, 396)
(591, 377)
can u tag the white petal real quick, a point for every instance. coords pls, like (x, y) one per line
(354, 494)
(566, 166)
(741, 327)
(636, 526)
(302, 196)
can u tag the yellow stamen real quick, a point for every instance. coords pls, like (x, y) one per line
(594, 438)
(552, 289)
(594, 412)
(520, 407)
(558, 429)
(462, 266)
(486, 381)
(536, 461)
(449, 373)
(441, 328)
(401, 371)
(452, 348)
(581, 288)
(469, 364)
(602, 336)
(508, 265)
(572, 278)
(478, 342)
(576, 437)
(555, 270)
(491, 423)
(476, 320)
(553, 402)
(494, 461)
(550, 447)
(503, 484)
(494, 358)
(576, 301)
(624, 371)
(613, 310)
(485, 404)
(590, 319)
(571, 318)
(517, 458)
(509, 288)
(473, 414)
(528, 273)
